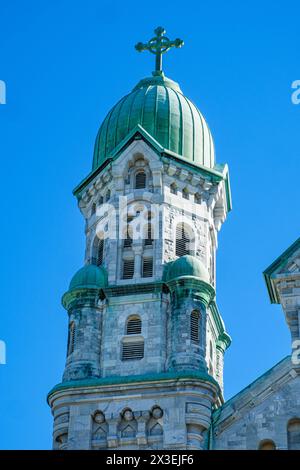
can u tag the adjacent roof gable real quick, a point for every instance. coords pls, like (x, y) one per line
(287, 264)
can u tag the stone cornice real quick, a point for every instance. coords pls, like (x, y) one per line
(134, 380)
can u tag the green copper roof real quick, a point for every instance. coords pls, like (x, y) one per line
(158, 106)
(186, 266)
(89, 277)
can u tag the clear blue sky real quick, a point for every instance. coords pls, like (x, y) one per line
(65, 64)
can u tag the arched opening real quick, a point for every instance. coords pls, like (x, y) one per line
(184, 241)
(185, 193)
(293, 434)
(140, 179)
(267, 444)
(71, 342)
(107, 196)
(173, 188)
(93, 211)
(134, 325)
(195, 327)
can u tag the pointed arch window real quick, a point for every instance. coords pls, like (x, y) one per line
(195, 327)
(107, 196)
(93, 209)
(140, 179)
(183, 241)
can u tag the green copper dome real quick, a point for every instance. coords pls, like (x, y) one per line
(186, 266)
(158, 105)
(89, 277)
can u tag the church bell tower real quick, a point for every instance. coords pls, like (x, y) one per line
(146, 343)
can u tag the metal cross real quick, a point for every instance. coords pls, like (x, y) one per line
(158, 45)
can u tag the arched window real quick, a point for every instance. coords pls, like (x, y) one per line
(183, 241)
(267, 444)
(72, 332)
(107, 196)
(101, 200)
(173, 188)
(185, 193)
(195, 327)
(140, 179)
(98, 251)
(293, 434)
(132, 345)
(134, 326)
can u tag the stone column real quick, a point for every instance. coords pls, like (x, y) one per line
(138, 250)
(86, 313)
(142, 418)
(112, 436)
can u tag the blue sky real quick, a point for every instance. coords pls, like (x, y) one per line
(65, 63)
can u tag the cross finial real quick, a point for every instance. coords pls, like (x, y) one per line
(158, 45)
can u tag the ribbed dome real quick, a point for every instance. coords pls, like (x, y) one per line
(158, 105)
(89, 277)
(186, 266)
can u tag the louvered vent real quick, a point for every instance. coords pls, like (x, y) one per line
(182, 241)
(140, 180)
(100, 252)
(147, 267)
(134, 326)
(132, 350)
(195, 320)
(128, 268)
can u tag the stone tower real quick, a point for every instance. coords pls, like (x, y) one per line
(144, 367)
